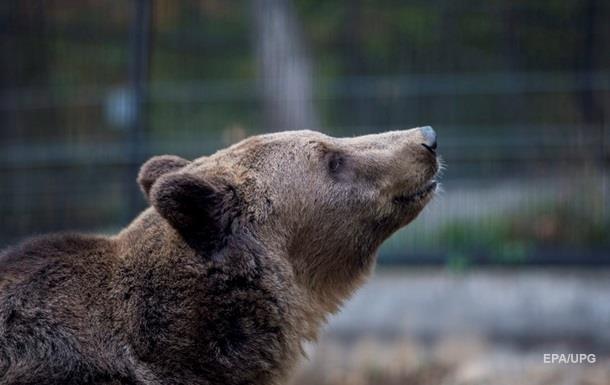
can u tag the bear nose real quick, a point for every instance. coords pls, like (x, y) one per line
(429, 136)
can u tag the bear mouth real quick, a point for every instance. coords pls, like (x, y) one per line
(418, 195)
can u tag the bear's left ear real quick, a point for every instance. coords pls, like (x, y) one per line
(197, 208)
(156, 167)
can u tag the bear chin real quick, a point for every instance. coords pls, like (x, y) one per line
(420, 197)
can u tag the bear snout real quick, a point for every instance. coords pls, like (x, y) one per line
(429, 139)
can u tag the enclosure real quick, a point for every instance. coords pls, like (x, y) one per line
(509, 262)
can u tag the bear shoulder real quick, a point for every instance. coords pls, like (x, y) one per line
(35, 253)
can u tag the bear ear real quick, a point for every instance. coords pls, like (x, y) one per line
(156, 167)
(193, 206)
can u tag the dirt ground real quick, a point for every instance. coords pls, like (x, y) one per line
(425, 327)
(460, 361)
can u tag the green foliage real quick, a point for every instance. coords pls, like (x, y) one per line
(574, 219)
(458, 262)
(510, 238)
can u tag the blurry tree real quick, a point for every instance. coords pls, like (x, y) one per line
(284, 66)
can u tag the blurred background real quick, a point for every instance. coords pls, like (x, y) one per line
(509, 262)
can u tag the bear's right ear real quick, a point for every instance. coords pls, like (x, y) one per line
(199, 209)
(156, 167)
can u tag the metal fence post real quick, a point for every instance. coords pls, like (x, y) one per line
(139, 74)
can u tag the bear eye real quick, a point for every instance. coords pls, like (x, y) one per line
(335, 162)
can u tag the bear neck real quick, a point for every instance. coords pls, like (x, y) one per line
(149, 234)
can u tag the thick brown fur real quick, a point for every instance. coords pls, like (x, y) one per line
(238, 261)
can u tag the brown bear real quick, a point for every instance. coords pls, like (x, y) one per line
(240, 259)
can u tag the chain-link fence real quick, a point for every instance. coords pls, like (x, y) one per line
(518, 92)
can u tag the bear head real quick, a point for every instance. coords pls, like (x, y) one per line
(323, 204)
